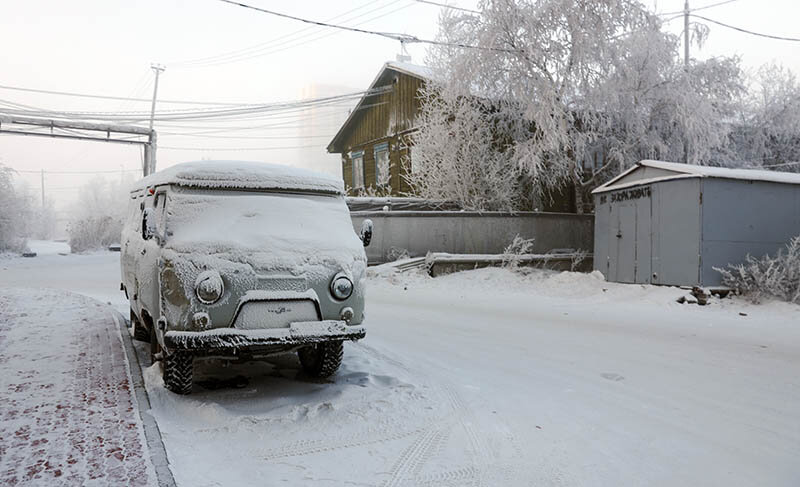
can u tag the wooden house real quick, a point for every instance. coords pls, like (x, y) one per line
(374, 141)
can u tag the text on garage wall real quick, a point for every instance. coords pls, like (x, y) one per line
(628, 194)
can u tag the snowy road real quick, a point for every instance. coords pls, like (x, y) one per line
(490, 378)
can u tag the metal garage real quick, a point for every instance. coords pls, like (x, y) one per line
(668, 223)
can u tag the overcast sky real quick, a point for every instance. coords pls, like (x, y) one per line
(105, 47)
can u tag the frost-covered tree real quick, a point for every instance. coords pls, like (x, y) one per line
(98, 215)
(15, 213)
(768, 130)
(550, 84)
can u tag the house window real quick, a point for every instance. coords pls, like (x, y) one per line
(593, 159)
(382, 164)
(358, 169)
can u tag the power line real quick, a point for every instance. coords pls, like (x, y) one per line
(681, 12)
(768, 36)
(39, 171)
(258, 49)
(451, 7)
(260, 137)
(119, 98)
(198, 114)
(300, 42)
(238, 148)
(387, 35)
(403, 38)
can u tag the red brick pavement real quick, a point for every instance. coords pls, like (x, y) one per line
(67, 412)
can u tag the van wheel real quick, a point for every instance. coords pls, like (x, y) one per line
(140, 332)
(321, 359)
(178, 369)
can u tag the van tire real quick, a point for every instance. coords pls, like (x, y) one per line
(140, 332)
(321, 359)
(178, 369)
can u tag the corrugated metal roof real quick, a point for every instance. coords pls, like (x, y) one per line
(679, 171)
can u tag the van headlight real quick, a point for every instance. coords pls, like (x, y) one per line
(341, 287)
(209, 287)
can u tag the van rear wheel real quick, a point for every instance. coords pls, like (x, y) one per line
(321, 359)
(178, 371)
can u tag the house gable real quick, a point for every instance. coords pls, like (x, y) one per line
(382, 120)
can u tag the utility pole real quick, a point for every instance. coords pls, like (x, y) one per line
(42, 188)
(686, 68)
(685, 34)
(150, 155)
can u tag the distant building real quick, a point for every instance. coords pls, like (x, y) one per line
(316, 122)
(374, 142)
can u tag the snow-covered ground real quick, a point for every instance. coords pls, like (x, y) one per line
(492, 378)
(94, 274)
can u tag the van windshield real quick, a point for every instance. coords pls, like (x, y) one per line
(215, 219)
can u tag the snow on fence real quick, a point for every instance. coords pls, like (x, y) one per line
(416, 233)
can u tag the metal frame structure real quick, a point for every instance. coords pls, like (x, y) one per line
(70, 129)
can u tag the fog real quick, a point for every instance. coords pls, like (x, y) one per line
(217, 52)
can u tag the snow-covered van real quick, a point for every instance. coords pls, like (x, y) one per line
(242, 260)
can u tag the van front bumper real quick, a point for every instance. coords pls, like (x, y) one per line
(232, 340)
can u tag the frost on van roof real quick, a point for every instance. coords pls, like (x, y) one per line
(243, 174)
(679, 170)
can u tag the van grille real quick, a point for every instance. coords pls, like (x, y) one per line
(282, 283)
(257, 315)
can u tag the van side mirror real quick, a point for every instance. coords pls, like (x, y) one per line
(366, 232)
(148, 223)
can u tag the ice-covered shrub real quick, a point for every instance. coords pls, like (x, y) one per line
(577, 259)
(91, 233)
(512, 254)
(397, 253)
(767, 277)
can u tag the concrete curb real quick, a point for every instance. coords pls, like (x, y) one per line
(158, 454)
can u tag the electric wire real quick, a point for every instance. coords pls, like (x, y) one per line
(402, 38)
(275, 49)
(258, 49)
(257, 137)
(120, 98)
(768, 36)
(59, 172)
(387, 35)
(237, 149)
(451, 7)
(682, 12)
(197, 114)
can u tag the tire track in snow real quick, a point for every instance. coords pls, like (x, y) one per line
(309, 447)
(460, 476)
(382, 356)
(413, 457)
(435, 448)
(464, 416)
(429, 443)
